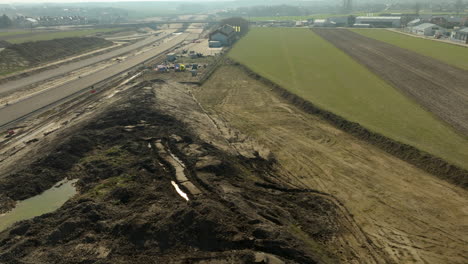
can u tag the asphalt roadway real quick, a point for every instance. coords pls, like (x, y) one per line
(16, 111)
(42, 76)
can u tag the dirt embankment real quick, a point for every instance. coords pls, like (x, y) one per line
(129, 212)
(19, 56)
(439, 87)
(420, 159)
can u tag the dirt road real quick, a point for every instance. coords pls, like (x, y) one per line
(410, 215)
(439, 87)
(38, 101)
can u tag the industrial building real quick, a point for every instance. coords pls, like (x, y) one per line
(380, 22)
(415, 22)
(427, 29)
(341, 21)
(323, 23)
(460, 35)
(225, 35)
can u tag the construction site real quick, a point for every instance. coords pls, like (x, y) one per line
(189, 144)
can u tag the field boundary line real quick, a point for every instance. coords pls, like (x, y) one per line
(421, 37)
(420, 159)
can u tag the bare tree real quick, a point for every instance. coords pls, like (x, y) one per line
(5, 21)
(459, 6)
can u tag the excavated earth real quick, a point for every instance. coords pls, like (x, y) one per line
(439, 87)
(127, 161)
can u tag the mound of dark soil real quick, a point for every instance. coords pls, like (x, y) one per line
(43, 51)
(29, 54)
(129, 212)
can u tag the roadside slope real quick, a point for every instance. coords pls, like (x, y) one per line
(18, 56)
(318, 72)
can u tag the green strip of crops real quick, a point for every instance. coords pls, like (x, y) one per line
(451, 54)
(307, 65)
(12, 33)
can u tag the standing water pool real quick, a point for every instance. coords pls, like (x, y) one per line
(46, 202)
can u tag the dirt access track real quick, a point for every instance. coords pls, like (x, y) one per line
(439, 87)
(411, 215)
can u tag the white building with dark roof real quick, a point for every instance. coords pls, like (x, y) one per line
(380, 21)
(415, 22)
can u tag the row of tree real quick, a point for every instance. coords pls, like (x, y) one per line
(458, 6)
(5, 21)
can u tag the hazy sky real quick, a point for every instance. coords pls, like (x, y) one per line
(84, 1)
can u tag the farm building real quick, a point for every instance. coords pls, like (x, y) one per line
(428, 29)
(339, 21)
(302, 23)
(447, 21)
(362, 25)
(226, 35)
(383, 21)
(415, 22)
(214, 44)
(460, 35)
(323, 23)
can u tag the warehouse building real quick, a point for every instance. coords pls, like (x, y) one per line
(341, 21)
(460, 35)
(428, 29)
(225, 35)
(415, 22)
(323, 23)
(380, 22)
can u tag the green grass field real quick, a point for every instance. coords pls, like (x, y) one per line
(12, 33)
(315, 16)
(445, 52)
(64, 34)
(307, 65)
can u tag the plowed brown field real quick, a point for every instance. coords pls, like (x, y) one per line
(439, 87)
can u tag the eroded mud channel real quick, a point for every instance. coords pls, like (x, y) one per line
(127, 210)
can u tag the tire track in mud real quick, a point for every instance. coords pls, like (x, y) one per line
(438, 87)
(356, 240)
(404, 211)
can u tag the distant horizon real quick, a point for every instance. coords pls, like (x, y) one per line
(97, 1)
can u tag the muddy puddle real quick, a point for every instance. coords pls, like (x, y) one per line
(47, 202)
